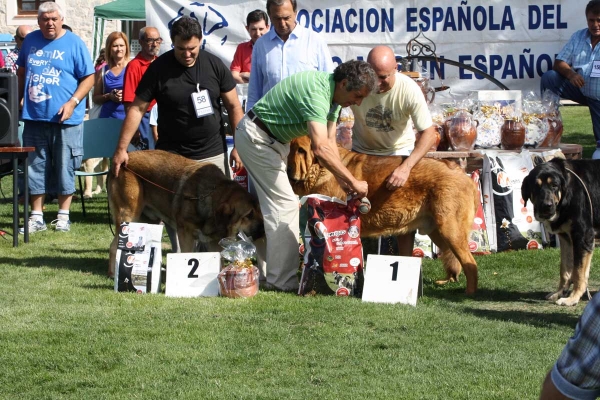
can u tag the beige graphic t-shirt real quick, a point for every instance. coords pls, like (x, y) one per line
(382, 123)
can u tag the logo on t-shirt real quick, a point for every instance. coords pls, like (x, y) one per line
(379, 119)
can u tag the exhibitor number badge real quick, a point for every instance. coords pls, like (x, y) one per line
(202, 104)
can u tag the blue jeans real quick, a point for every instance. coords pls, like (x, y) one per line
(556, 83)
(146, 137)
(58, 153)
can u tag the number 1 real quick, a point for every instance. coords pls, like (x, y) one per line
(395, 271)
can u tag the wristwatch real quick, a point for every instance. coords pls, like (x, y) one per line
(75, 99)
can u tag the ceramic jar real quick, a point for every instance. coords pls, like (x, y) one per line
(238, 282)
(462, 131)
(512, 135)
(427, 90)
(555, 131)
(443, 145)
(438, 137)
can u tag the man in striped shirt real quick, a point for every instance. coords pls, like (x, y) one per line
(306, 103)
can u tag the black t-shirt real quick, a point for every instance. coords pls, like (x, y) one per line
(172, 85)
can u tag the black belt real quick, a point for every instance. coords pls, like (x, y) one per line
(254, 118)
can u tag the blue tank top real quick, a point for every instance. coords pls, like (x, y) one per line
(110, 109)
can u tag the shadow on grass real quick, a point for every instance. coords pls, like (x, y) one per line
(537, 319)
(92, 265)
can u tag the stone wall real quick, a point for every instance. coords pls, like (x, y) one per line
(79, 15)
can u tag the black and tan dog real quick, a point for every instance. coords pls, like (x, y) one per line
(438, 199)
(194, 198)
(566, 199)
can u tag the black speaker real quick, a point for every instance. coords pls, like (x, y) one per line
(9, 110)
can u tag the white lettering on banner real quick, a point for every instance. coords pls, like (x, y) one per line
(514, 41)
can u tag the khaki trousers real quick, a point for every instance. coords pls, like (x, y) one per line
(266, 162)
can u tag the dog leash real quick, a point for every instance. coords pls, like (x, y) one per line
(586, 192)
(164, 188)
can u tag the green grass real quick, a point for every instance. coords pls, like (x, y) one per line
(66, 335)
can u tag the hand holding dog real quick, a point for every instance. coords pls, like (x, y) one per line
(119, 158)
(398, 178)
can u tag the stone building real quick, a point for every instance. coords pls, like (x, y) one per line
(79, 15)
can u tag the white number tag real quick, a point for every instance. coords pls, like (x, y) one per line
(392, 279)
(202, 104)
(595, 70)
(192, 274)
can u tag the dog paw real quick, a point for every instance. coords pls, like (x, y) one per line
(442, 282)
(554, 296)
(567, 301)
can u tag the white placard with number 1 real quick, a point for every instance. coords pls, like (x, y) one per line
(392, 279)
(192, 274)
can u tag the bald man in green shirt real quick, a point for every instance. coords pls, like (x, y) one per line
(306, 103)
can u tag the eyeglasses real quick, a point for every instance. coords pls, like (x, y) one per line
(19, 37)
(150, 41)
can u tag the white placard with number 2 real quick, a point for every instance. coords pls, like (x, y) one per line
(392, 279)
(192, 274)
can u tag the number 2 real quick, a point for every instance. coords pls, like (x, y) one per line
(195, 264)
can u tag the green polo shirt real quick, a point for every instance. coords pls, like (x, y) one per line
(297, 99)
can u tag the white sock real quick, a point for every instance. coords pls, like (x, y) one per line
(63, 214)
(36, 216)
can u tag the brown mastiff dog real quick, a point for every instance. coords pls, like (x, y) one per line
(438, 199)
(194, 198)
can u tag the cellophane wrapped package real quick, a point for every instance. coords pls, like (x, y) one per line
(239, 275)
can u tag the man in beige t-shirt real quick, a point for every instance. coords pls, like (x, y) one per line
(382, 123)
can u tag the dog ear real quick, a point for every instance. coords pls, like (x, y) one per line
(223, 215)
(526, 188)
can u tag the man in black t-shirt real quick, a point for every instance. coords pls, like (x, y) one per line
(188, 84)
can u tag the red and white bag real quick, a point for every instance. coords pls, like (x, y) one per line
(333, 259)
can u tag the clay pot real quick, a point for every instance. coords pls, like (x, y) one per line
(557, 125)
(428, 91)
(512, 135)
(438, 136)
(462, 131)
(547, 142)
(238, 282)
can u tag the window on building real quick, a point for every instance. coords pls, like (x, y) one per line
(29, 7)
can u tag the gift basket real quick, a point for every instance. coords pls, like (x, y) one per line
(239, 275)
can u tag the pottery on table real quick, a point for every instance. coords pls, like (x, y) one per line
(438, 137)
(462, 131)
(512, 135)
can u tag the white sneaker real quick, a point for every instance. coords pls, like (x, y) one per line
(35, 225)
(596, 155)
(61, 225)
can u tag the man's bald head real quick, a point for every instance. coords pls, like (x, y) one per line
(383, 61)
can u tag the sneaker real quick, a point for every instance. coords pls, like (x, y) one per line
(34, 226)
(61, 225)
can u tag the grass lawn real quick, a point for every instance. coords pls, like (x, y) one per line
(66, 335)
